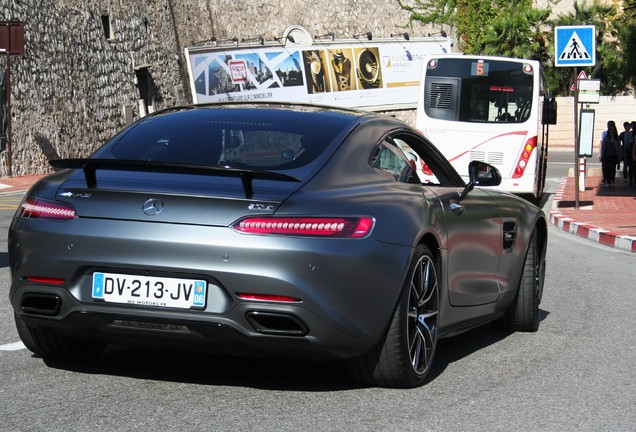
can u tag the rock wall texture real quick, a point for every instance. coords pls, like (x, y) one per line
(78, 83)
(92, 66)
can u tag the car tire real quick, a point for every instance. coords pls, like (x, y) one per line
(529, 293)
(47, 344)
(405, 357)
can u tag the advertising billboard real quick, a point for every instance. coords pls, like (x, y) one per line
(380, 74)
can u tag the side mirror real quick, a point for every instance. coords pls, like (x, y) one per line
(481, 174)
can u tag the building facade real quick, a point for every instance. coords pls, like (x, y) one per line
(92, 66)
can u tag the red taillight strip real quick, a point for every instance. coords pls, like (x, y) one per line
(522, 163)
(338, 227)
(35, 208)
(426, 170)
(268, 297)
(46, 280)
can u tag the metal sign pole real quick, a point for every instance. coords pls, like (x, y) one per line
(9, 140)
(576, 141)
(575, 46)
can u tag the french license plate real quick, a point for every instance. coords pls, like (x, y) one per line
(149, 290)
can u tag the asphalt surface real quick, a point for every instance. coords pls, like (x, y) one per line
(574, 374)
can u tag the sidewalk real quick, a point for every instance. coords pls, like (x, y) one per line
(605, 215)
(10, 185)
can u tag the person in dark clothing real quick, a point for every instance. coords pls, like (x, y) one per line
(610, 154)
(628, 150)
(625, 137)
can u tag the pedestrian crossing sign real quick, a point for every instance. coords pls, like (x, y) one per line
(575, 45)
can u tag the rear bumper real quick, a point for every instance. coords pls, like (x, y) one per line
(347, 288)
(296, 332)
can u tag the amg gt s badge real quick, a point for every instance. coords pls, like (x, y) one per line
(153, 207)
(261, 207)
(69, 194)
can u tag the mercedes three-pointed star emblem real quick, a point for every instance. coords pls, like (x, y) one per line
(152, 207)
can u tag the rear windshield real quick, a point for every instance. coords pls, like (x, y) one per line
(479, 90)
(236, 137)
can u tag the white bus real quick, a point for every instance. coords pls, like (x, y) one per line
(488, 109)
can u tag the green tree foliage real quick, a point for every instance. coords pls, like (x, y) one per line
(468, 17)
(516, 29)
(627, 36)
(521, 34)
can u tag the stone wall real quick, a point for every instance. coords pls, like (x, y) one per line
(619, 109)
(70, 91)
(76, 86)
(69, 88)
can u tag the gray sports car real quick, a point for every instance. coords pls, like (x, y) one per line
(273, 229)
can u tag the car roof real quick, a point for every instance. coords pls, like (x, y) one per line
(269, 105)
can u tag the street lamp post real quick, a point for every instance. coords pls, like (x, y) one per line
(11, 42)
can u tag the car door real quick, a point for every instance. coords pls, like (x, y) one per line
(471, 227)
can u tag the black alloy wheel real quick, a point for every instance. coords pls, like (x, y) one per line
(423, 312)
(405, 357)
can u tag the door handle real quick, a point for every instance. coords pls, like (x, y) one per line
(457, 208)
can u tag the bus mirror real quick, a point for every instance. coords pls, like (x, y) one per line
(549, 115)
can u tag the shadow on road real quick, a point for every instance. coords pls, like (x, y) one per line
(456, 348)
(217, 370)
(260, 373)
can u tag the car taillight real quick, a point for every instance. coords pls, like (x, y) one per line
(34, 208)
(426, 170)
(46, 280)
(338, 227)
(522, 163)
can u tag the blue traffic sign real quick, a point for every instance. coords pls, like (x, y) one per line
(575, 45)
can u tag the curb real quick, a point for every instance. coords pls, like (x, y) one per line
(586, 230)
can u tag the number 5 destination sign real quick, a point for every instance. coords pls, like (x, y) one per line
(575, 46)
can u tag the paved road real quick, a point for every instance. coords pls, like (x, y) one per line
(575, 374)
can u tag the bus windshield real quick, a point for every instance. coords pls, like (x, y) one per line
(479, 90)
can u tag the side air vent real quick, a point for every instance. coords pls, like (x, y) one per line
(509, 235)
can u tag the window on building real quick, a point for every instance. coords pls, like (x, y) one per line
(107, 27)
(146, 87)
(3, 110)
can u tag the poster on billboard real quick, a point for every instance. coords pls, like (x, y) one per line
(377, 75)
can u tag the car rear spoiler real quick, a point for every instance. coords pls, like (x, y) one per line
(90, 166)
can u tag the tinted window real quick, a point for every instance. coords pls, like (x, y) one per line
(254, 138)
(388, 160)
(411, 159)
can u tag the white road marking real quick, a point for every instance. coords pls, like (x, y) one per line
(15, 346)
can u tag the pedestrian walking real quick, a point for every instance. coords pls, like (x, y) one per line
(610, 124)
(629, 158)
(625, 137)
(610, 154)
